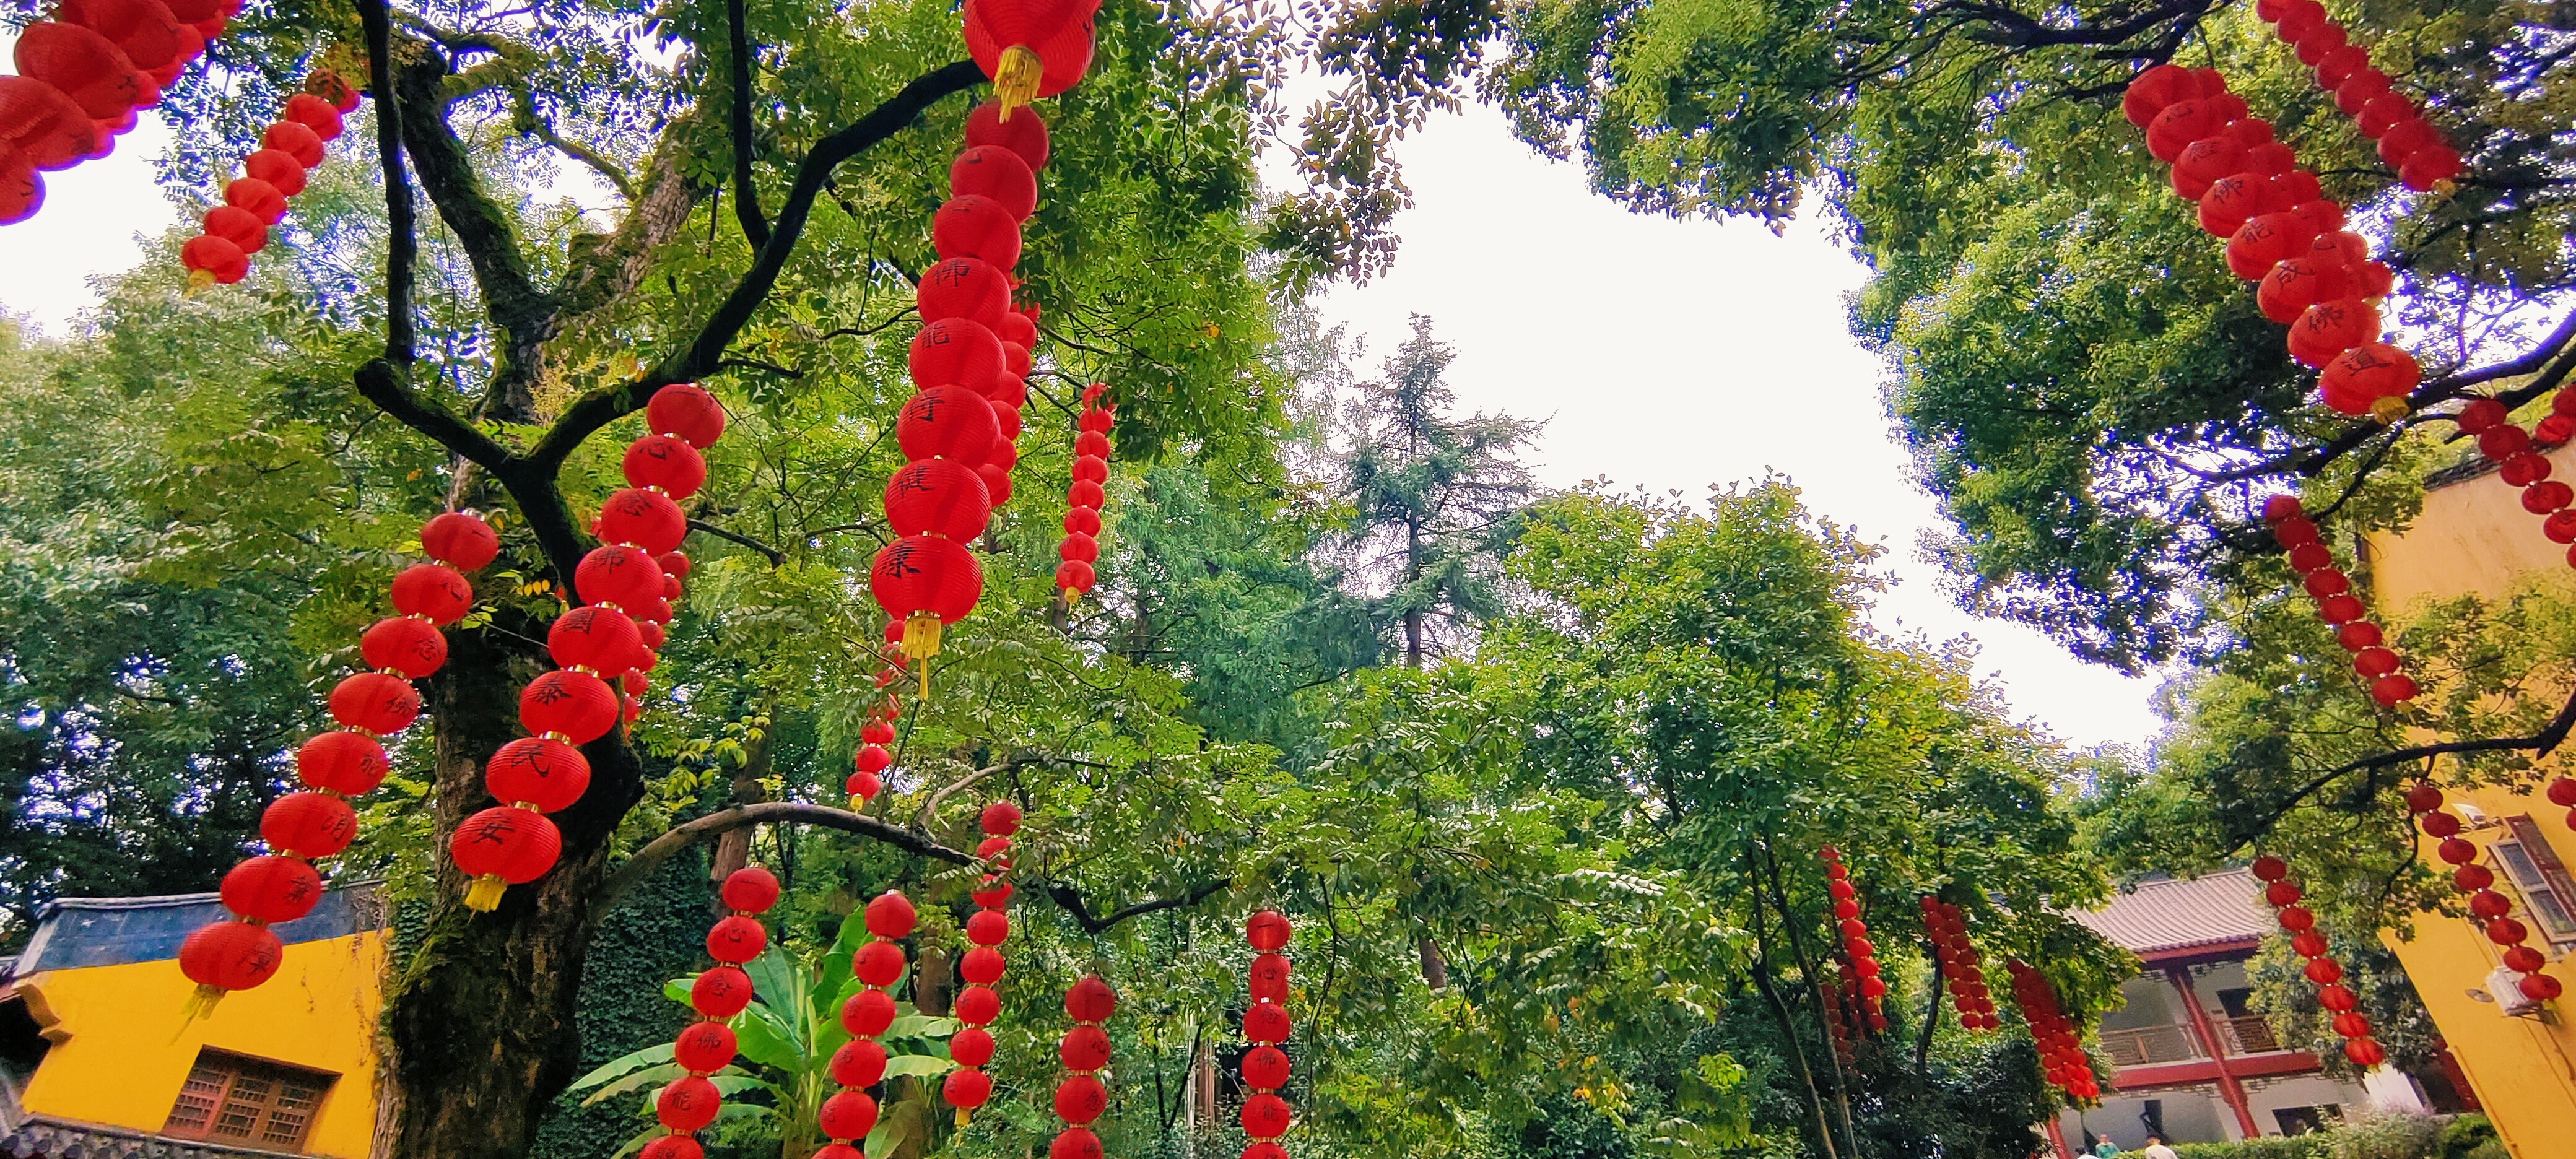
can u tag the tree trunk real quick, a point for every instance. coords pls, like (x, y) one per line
(1780, 1013)
(1435, 970)
(932, 985)
(480, 1018)
(1203, 1080)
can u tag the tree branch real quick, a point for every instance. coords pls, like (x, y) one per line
(670, 844)
(386, 384)
(1071, 902)
(2541, 743)
(746, 198)
(402, 243)
(600, 407)
(775, 556)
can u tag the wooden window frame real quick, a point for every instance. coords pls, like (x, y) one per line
(2549, 876)
(252, 1086)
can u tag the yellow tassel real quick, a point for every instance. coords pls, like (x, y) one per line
(484, 895)
(199, 281)
(1072, 596)
(961, 1118)
(2388, 408)
(1016, 77)
(921, 635)
(200, 1004)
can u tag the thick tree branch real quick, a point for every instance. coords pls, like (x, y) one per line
(402, 243)
(600, 407)
(2540, 743)
(524, 314)
(746, 196)
(913, 841)
(388, 385)
(773, 555)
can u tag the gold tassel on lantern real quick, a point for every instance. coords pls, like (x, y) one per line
(484, 895)
(1016, 77)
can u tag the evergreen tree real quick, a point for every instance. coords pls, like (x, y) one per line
(1432, 498)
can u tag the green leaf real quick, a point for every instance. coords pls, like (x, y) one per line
(921, 1064)
(648, 1077)
(761, 1036)
(658, 1053)
(921, 1026)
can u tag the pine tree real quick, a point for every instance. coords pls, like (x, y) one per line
(1432, 498)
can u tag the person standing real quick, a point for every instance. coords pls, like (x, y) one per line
(2106, 1149)
(2156, 1149)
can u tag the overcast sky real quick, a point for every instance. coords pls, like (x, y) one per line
(1544, 290)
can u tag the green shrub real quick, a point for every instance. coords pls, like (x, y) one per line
(2268, 1147)
(2378, 1137)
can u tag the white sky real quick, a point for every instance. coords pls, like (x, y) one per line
(1521, 267)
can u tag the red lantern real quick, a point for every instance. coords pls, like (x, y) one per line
(686, 411)
(374, 702)
(685, 1147)
(403, 644)
(998, 174)
(1265, 1116)
(868, 1013)
(750, 890)
(722, 992)
(247, 233)
(597, 637)
(979, 227)
(1074, 1143)
(86, 66)
(972, 1046)
(862, 1063)
(2328, 329)
(545, 773)
(432, 592)
(294, 140)
(688, 1103)
(955, 352)
(316, 114)
(342, 762)
(878, 963)
(460, 541)
(1079, 1099)
(284, 175)
(272, 889)
(1090, 1000)
(502, 846)
(1084, 1048)
(644, 519)
(964, 287)
(1059, 62)
(667, 462)
(622, 577)
(223, 956)
(1024, 133)
(926, 582)
(579, 706)
(308, 825)
(938, 496)
(966, 1088)
(947, 422)
(736, 939)
(704, 1047)
(260, 198)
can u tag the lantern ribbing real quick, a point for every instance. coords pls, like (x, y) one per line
(2283, 895)
(2408, 142)
(304, 826)
(2492, 909)
(1266, 1024)
(1078, 554)
(687, 1104)
(968, 1087)
(82, 79)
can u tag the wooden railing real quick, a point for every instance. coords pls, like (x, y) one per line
(2150, 1045)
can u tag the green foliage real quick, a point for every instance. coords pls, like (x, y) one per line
(656, 931)
(2381, 1137)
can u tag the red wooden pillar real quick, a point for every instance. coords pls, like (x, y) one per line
(2228, 1088)
(2057, 1140)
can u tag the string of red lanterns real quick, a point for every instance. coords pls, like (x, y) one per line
(317, 822)
(1962, 974)
(956, 431)
(688, 1103)
(2408, 143)
(288, 150)
(2490, 907)
(626, 593)
(2520, 461)
(2315, 276)
(869, 764)
(1074, 574)
(2283, 895)
(1861, 958)
(968, 1087)
(861, 1062)
(1266, 1024)
(2062, 1058)
(1079, 1096)
(2332, 590)
(82, 79)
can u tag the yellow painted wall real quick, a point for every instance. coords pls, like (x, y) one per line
(2474, 538)
(114, 1061)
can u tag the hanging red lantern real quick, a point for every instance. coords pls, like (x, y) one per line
(964, 287)
(938, 496)
(926, 582)
(460, 541)
(86, 66)
(308, 825)
(667, 463)
(540, 772)
(403, 644)
(350, 763)
(643, 519)
(225, 956)
(998, 174)
(499, 847)
(687, 412)
(578, 706)
(955, 352)
(597, 637)
(272, 889)
(374, 702)
(618, 576)
(434, 593)
(974, 226)
(947, 422)
(1061, 60)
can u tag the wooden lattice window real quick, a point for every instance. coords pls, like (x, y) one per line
(229, 1098)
